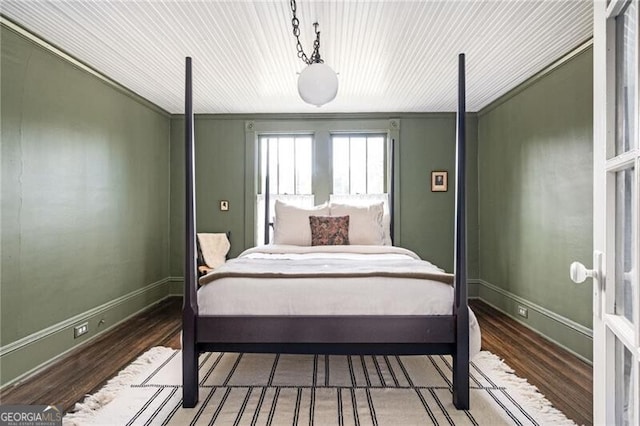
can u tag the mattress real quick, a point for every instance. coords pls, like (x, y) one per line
(318, 295)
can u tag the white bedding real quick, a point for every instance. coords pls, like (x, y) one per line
(335, 296)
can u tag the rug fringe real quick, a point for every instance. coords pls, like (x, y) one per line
(84, 411)
(527, 394)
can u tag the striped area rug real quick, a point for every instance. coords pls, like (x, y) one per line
(265, 389)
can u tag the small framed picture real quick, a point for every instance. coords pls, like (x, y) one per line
(439, 181)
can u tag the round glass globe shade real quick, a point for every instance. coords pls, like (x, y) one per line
(318, 84)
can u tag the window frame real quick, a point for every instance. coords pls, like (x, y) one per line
(321, 127)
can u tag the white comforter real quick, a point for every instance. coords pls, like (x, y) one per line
(334, 296)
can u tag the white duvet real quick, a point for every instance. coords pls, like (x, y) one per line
(334, 296)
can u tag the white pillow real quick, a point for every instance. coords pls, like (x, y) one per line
(292, 226)
(386, 225)
(365, 200)
(365, 223)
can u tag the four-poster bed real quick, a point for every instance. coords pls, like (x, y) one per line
(355, 334)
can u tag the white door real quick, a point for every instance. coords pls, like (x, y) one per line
(616, 319)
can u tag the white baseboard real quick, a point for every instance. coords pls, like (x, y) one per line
(564, 332)
(38, 350)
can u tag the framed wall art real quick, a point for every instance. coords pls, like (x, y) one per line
(439, 181)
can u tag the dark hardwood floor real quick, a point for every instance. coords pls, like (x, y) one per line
(564, 379)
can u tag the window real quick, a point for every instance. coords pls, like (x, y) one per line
(312, 161)
(290, 173)
(358, 164)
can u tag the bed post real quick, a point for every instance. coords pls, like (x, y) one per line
(190, 303)
(392, 186)
(460, 309)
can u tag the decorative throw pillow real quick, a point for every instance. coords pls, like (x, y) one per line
(329, 230)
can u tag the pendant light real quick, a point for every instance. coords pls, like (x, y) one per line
(317, 83)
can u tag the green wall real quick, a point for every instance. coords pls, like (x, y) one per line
(427, 218)
(220, 175)
(426, 143)
(535, 195)
(85, 196)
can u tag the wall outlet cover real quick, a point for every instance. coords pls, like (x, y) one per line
(81, 329)
(523, 312)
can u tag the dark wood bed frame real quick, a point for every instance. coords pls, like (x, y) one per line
(336, 334)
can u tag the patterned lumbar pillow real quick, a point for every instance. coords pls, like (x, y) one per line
(329, 230)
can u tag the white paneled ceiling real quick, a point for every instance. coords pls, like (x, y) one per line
(391, 56)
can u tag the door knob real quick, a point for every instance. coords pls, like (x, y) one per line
(578, 272)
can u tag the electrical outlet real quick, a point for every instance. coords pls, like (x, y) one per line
(224, 205)
(523, 312)
(81, 329)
